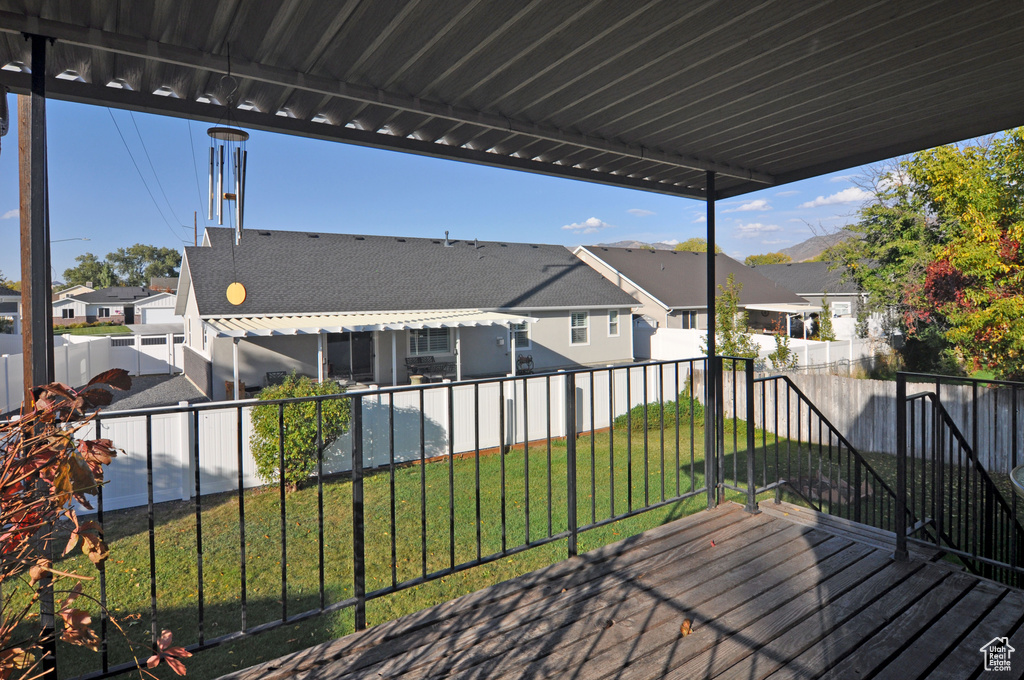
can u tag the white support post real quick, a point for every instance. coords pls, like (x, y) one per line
(7, 381)
(320, 357)
(170, 353)
(185, 462)
(394, 358)
(67, 364)
(234, 361)
(138, 354)
(828, 352)
(458, 354)
(789, 324)
(512, 347)
(376, 357)
(88, 359)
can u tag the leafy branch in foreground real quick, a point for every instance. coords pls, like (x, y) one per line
(45, 471)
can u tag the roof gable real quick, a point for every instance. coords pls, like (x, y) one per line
(115, 295)
(678, 279)
(287, 272)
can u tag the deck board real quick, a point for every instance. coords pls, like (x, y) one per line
(768, 595)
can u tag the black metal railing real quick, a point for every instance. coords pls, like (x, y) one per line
(953, 475)
(427, 481)
(803, 454)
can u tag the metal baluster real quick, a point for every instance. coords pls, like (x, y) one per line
(451, 476)
(199, 525)
(391, 485)
(152, 529)
(570, 456)
(358, 519)
(284, 519)
(320, 498)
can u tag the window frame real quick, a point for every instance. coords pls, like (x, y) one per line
(67, 313)
(846, 305)
(585, 327)
(101, 315)
(514, 332)
(413, 332)
(617, 323)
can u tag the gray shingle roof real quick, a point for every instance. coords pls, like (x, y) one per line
(7, 292)
(286, 272)
(678, 279)
(809, 278)
(115, 295)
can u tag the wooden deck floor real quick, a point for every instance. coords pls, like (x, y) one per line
(783, 594)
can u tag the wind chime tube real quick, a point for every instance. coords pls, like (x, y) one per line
(220, 187)
(237, 161)
(210, 214)
(241, 194)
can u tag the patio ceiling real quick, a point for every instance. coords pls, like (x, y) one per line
(647, 94)
(256, 326)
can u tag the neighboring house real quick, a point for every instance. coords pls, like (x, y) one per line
(157, 309)
(115, 305)
(370, 308)
(812, 280)
(671, 286)
(163, 284)
(77, 289)
(10, 310)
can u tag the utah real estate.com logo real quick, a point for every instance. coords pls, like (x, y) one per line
(997, 653)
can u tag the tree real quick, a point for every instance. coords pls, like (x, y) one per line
(974, 287)
(782, 357)
(137, 264)
(88, 269)
(696, 244)
(300, 428)
(731, 338)
(767, 258)
(132, 266)
(825, 331)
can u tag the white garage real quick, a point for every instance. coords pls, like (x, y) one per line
(157, 309)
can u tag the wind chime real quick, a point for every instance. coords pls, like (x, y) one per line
(228, 158)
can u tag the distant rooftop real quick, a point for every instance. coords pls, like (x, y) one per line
(809, 278)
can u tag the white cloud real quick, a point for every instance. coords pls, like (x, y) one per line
(775, 241)
(751, 206)
(640, 212)
(701, 218)
(791, 192)
(848, 195)
(10, 214)
(841, 178)
(755, 229)
(670, 242)
(589, 226)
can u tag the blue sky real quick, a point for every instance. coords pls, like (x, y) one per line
(294, 183)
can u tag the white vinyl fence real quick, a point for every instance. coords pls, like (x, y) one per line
(668, 344)
(77, 358)
(509, 412)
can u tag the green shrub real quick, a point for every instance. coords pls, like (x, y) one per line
(299, 428)
(654, 413)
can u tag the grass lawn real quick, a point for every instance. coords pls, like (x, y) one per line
(93, 330)
(127, 571)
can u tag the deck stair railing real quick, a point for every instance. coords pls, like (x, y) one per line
(965, 510)
(801, 452)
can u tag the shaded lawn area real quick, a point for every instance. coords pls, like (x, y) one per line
(421, 516)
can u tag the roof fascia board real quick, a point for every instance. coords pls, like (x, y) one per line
(150, 50)
(626, 278)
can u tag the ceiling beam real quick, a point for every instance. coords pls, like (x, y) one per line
(92, 93)
(94, 38)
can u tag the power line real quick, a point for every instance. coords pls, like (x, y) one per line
(195, 166)
(153, 168)
(144, 184)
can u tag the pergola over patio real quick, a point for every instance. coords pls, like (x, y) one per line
(321, 324)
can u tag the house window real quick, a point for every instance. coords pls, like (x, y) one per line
(840, 309)
(429, 341)
(613, 323)
(67, 313)
(579, 328)
(103, 312)
(688, 319)
(521, 334)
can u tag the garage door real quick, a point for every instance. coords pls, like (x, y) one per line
(158, 315)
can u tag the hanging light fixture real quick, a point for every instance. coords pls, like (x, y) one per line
(228, 158)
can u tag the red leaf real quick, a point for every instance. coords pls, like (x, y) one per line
(96, 396)
(117, 378)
